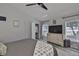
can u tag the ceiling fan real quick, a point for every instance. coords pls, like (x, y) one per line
(40, 4)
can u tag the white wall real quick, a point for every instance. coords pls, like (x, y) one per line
(8, 32)
(59, 21)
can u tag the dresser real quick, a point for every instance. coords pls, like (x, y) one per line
(55, 38)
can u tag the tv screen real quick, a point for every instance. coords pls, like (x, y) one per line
(2, 18)
(55, 29)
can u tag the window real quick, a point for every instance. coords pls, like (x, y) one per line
(44, 29)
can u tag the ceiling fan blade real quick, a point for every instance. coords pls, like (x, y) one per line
(43, 6)
(31, 4)
(40, 4)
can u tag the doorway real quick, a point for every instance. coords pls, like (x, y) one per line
(44, 31)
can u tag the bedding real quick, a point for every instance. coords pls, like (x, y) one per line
(43, 49)
(28, 47)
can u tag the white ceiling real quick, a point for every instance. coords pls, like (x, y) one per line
(55, 10)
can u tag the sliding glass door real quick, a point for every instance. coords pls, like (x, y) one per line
(72, 31)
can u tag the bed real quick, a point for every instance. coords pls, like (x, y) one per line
(26, 47)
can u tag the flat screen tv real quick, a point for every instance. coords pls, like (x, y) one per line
(2, 18)
(55, 29)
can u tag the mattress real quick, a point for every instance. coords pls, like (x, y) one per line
(24, 47)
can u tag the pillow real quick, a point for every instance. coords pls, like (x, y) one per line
(3, 49)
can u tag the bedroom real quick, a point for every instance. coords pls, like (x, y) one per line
(18, 36)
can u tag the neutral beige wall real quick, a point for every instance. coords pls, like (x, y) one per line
(8, 32)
